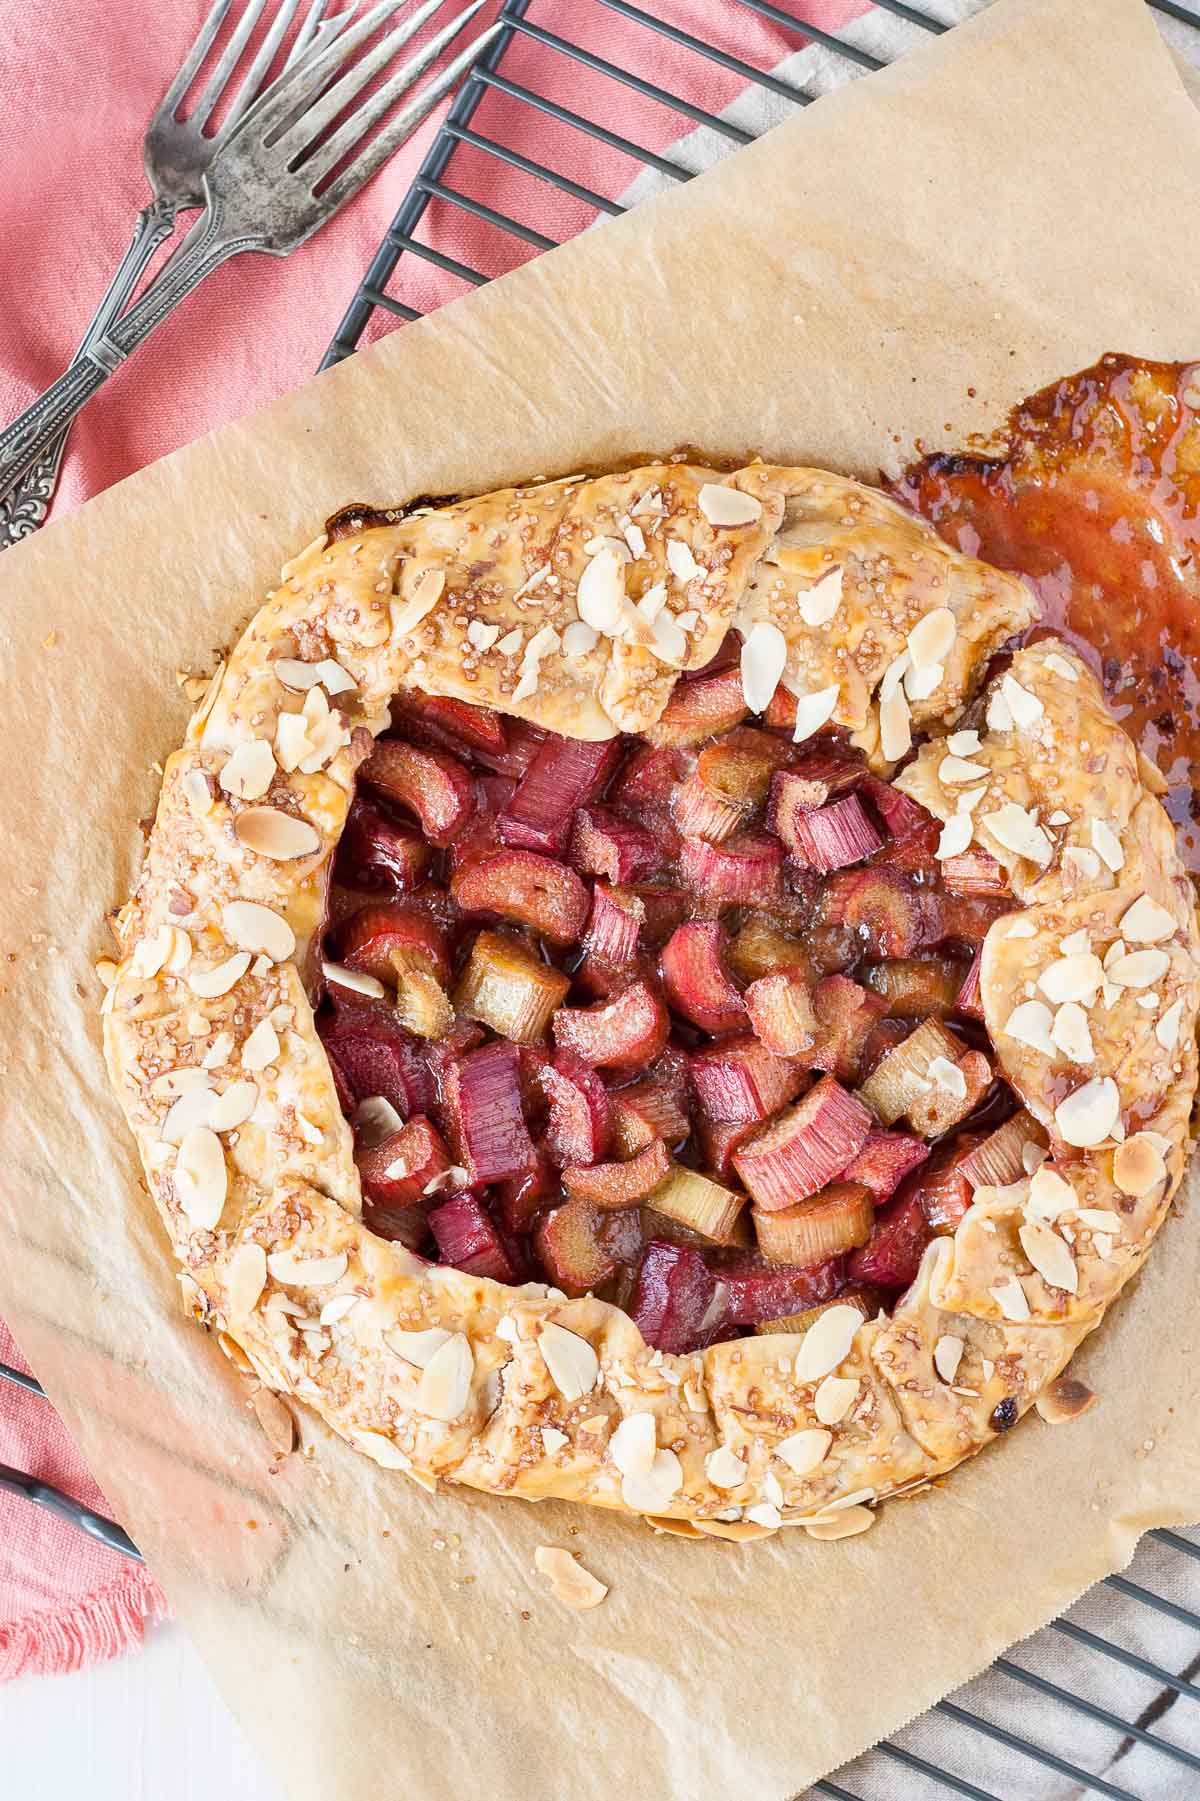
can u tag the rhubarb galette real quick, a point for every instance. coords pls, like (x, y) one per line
(653, 990)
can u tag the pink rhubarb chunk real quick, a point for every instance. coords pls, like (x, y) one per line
(801, 1151)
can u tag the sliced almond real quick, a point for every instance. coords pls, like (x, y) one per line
(947, 1076)
(246, 1279)
(191, 1109)
(1061, 667)
(724, 1468)
(209, 983)
(765, 1513)
(262, 1047)
(600, 596)
(253, 927)
(279, 836)
(295, 1270)
(651, 1492)
(1011, 1299)
(932, 638)
(445, 1385)
(1066, 1399)
(1030, 1024)
(1106, 842)
(728, 506)
(954, 770)
(573, 1365)
(1026, 709)
(1016, 830)
(385, 1453)
(199, 791)
(1073, 978)
(418, 1348)
(634, 1444)
(924, 680)
(1072, 1034)
(1146, 922)
(337, 1308)
(1167, 1029)
(569, 1582)
(956, 835)
(250, 770)
(292, 744)
(764, 655)
(947, 1355)
(1138, 1164)
(813, 711)
(846, 1524)
(151, 953)
(681, 562)
(834, 1398)
(1085, 862)
(276, 1419)
(1049, 1195)
(233, 1107)
(355, 979)
(895, 727)
(1090, 1115)
(1049, 1255)
(579, 638)
(201, 1179)
(804, 1451)
(819, 603)
(999, 714)
(1139, 969)
(426, 592)
(553, 1441)
(827, 1343)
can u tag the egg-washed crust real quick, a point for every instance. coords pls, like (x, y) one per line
(518, 1390)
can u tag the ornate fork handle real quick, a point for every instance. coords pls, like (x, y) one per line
(204, 249)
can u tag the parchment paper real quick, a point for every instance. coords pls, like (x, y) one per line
(904, 262)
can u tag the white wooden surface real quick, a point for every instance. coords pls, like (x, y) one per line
(149, 1727)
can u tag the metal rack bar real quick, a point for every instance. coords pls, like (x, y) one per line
(735, 65)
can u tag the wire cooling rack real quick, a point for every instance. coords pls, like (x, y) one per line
(1063, 1678)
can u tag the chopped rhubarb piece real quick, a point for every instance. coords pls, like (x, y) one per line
(660, 1226)
(970, 995)
(866, 1300)
(482, 1094)
(601, 980)
(967, 917)
(571, 1243)
(453, 724)
(614, 924)
(406, 1224)
(695, 979)
(719, 1140)
(739, 1082)
(373, 1057)
(509, 989)
(781, 1012)
(816, 775)
(519, 1199)
(467, 1237)
(1000, 1158)
(563, 775)
(664, 909)
(377, 932)
(893, 1256)
(846, 1015)
(645, 785)
(524, 886)
(942, 1188)
(780, 715)
(397, 1169)
(693, 1200)
(904, 818)
(580, 1126)
(602, 843)
(838, 1219)
(728, 785)
(916, 987)
(431, 784)
(745, 872)
(929, 1080)
(672, 1298)
(762, 948)
(627, 1032)
(753, 1290)
(975, 872)
(801, 1151)
(884, 1161)
(889, 917)
(523, 742)
(883, 1037)
(615, 1185)
(655, 1107)
(829, 838)
(422, 1004)
(375, 852)
(700, 709)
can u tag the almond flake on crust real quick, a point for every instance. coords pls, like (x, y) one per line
(956, 836)
(201, 1178)
(804, 1451)
(1106, 843)
(280, 836)
(932, 637)
(1049, 1255)
(764, 655)
(633, 1445)
(573, 1365)
(819, 604)
(724, 1468)
(417, 1348)
(1011, 1299)
(728, 506)
(947, 1355)
(655, 1489)
(218, 980)
(445, 1384)
(1138, 1164)
(249, 770)
(252, 927)
(813, 711)
(681, 562)
(295, 1270)
(827, 1342)
(1146, 922)
(1090, 1115)
(1016, 830)
(834, 1398)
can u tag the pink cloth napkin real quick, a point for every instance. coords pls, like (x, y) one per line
(77, 85)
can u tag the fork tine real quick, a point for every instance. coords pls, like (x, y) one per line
(404, 124)
(326, 107)
(195, 56)
(299, 84)
(328, 154)
(217, 82)
(304, 36)
(256, 74)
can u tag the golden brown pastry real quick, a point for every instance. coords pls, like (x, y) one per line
(576, 605)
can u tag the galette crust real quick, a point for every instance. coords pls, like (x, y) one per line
(518, 1390)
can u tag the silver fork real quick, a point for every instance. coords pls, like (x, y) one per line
(175, 154)
(261, 189)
